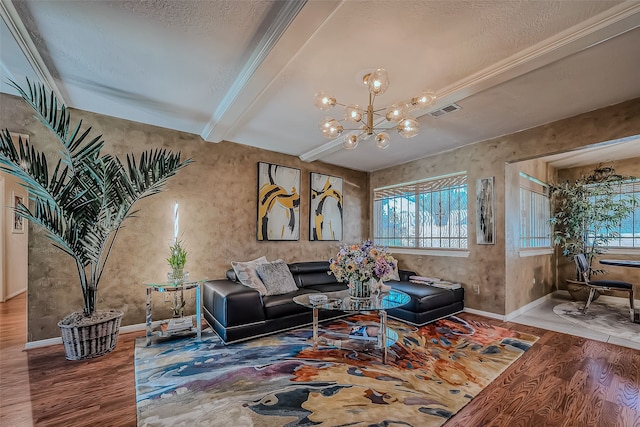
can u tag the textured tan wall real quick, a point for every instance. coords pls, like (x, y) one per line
(217, 197)
(486, 264)
(522, 271)
(566, 267)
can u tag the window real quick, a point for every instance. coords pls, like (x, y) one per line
(535, 212)
(628, 232)
(430, 213)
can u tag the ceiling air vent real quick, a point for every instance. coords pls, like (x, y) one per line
(445, 110)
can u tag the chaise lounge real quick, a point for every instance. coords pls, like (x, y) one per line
(238, 312)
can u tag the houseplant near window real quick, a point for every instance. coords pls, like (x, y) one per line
(588, 213)
(81, 205)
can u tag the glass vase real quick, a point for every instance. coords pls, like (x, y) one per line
(177, 275)
(359, 290)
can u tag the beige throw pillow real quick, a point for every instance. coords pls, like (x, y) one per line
(247, 274)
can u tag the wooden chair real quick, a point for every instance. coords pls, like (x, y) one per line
(601, 285)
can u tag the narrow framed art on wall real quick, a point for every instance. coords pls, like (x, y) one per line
(485, 209)
(278, 202)
(18, 222)
(326, 207)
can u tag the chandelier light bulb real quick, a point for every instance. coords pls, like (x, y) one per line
(331, 128)
(378, 81)
(408, 127)
(350, 142)
(323, 101)
(395, 112)
(424, 100)
(383, 140)
(353, 113)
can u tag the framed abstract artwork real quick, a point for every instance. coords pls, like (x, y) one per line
(18, 222)
(278, 202)
(485, 208)
(326, 207)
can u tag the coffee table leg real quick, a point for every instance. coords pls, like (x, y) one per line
(315, 328)
(148, 317)
(383, 333)
(198, 312)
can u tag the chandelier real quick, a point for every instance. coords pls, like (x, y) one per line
(362, 119)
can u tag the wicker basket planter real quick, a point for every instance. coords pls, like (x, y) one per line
(87, 337)
(579, 291)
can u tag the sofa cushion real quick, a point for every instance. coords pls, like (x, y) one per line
(276, 278)
(276, 306)
(309, 267)
(328, 287)
(247, 274)
(425, 297)
(312, 274)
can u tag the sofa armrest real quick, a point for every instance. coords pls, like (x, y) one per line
(404, 275)
(232, 303)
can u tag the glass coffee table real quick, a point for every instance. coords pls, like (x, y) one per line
(341, 301)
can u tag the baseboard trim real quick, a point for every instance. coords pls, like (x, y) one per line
(57, 341)
(485, 313)
(528, 307)
(15, 294)
(42, 343)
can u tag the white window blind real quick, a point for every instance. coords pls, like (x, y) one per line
(535, 212)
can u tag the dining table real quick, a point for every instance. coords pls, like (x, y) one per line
(621, 262)
(632, 263)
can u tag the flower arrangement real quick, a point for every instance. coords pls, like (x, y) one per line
(361, 263)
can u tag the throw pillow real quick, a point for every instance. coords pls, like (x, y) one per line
(247, 274)
(394, 275)
(276, 278)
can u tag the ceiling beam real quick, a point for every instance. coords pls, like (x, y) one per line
(611, 23)
(284, 39)
(12, 19)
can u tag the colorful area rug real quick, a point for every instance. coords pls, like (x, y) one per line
(606, 316)
(281, 380)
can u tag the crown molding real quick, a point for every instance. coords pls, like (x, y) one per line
(12, 19)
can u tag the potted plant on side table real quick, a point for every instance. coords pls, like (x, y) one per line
(81, 204)
(587, 215)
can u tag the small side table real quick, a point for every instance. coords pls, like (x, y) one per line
(172, 286)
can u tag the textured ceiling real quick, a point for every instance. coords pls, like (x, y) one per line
(246, 71)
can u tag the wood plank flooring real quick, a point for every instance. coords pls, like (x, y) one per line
(562, 380)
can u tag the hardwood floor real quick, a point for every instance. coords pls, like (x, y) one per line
(40, 387)
(562, 380)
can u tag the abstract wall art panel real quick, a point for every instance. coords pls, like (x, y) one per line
(485, 208)
(326, 208)
(278, 202)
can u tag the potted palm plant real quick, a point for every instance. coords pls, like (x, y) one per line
(588, 213)
(81, 205)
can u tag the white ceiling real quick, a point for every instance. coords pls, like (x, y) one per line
(246, 71)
